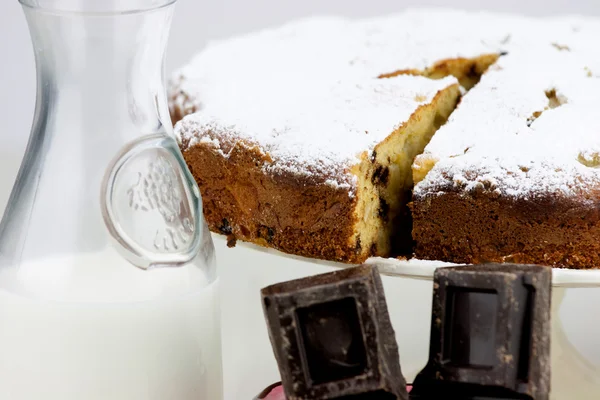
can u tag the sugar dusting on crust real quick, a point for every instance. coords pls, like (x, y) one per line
(306, 95)
(321, 131)
(528, 129)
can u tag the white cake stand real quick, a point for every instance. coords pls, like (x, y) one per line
(408, 285)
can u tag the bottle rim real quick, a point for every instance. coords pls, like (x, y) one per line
(96, 7)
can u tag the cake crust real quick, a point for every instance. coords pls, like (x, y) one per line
(485, 227)
(288, 212)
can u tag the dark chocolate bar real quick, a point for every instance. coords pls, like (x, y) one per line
(332, 337)
(490, 334)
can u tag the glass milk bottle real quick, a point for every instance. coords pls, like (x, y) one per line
(108, 285)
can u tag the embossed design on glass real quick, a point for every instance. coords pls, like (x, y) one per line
(148, 205)
(160, 190)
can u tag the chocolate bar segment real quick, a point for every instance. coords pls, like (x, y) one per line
(490, 333)
(329, 333)
(332, 337)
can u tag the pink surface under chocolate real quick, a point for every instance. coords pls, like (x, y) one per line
(277, 393)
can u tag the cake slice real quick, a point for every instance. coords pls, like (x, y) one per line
(313, 168)
(514, 176)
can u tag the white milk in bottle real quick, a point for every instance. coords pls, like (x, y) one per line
(122, 333)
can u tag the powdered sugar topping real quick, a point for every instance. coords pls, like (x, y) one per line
(323, 129)
(306, 95)
(528, 129)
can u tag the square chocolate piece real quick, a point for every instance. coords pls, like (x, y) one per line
(490, 333)
(332, 337)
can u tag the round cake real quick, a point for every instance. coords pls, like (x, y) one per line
(448, 135)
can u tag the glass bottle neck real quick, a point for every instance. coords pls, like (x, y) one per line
(102, 6)
(100, 86)
(94, 67)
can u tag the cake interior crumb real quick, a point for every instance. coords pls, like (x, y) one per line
(386, 178)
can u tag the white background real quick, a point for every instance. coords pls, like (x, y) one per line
(196, 22)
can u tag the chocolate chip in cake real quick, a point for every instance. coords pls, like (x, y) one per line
(231, 240)
(381, 175)
(384, 209)
(473, 72)
(332, 337)
(358, 247)
(266, 233)
(225, 227)
(373, 249)
(490, 334)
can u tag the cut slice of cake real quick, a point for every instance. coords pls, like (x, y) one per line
(514, 175)
(312, 167)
